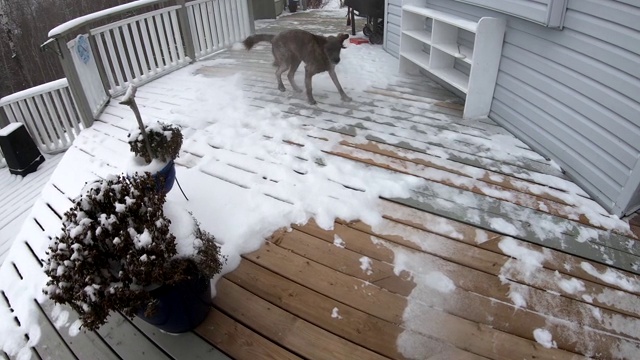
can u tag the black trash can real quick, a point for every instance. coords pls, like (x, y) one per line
(19, 150)
(293, 5)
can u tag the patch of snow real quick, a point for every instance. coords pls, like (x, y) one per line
(501, 225)
(528, 260)
(544, 338)
(75, 328)
(517, 298)
(331, 5)
(365, 265)
(337, 241)
(439, 281)
(613, 277)
(335, 313)
(481, 236)
(571, 286)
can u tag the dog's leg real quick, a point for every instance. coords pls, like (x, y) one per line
(292, 73)
(307, 84)
(334, 78)
(281, 69)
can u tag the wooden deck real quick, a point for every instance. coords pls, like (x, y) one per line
(303, 297)
(19, 195)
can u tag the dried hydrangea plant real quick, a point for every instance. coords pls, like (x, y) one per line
(165, 141)
(115, 243)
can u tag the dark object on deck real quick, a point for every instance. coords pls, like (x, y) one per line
(182, 306)
(21, 153)
(373, 10)
(293, 5)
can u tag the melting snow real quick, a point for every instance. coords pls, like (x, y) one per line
(544, 338)
(365, 265)
(335, 313)
(337, 241)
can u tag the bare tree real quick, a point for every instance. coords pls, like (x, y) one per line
(24, 25)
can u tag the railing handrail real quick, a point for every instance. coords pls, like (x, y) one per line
(132, 19)
(77, 23)
(196, 2)
(34, 91)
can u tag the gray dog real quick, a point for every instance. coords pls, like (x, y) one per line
(291, 47)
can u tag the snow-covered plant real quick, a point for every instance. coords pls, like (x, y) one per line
(116, 243)
(164, 139)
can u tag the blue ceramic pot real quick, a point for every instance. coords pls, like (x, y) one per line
(168, 174)
(182, 306)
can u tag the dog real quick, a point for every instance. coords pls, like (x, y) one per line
(291, 47)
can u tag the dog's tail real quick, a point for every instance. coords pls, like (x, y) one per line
(254, 39)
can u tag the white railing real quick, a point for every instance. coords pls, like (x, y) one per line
(140, 48)
(216, 24)
(48, 112)
(135, 50)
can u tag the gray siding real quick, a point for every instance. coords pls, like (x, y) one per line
(392, 27)
(574, 95)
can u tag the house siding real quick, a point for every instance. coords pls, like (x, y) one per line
(392, 27)
(574, 95)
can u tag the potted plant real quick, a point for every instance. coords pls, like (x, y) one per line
(124, 248)
(156, 145)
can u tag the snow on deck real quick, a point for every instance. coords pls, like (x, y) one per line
(394, 228)
(18, 196)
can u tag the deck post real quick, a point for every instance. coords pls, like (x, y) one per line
(4, 119)
(185, 29)
(73, 78)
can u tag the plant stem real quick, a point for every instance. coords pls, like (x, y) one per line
(130, 101)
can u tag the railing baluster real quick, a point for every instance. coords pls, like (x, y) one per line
(217, 13)
(69, 104)
(130, 54)
(234, 22)
(64, 118)
(206, 23)
(122, 57)
(157, 51)
(104, 57)
(163, 41)
(45, 130)
(197, 15)
(170, 40)
(176, 35)
(52, 116)
(194, 32)
(135, 34)
(153, 67)
(114, 62)
(224, 14)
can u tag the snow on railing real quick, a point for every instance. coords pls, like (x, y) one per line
(49, 113)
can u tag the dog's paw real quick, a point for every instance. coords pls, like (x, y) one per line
(282, 88)
(312, 102)
(346, 99)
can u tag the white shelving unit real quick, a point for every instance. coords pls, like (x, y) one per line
(430, 41)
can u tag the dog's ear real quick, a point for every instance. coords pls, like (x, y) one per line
(342, 37)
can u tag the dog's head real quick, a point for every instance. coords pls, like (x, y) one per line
(333, 46)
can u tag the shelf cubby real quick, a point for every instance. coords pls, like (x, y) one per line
(431, 42)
